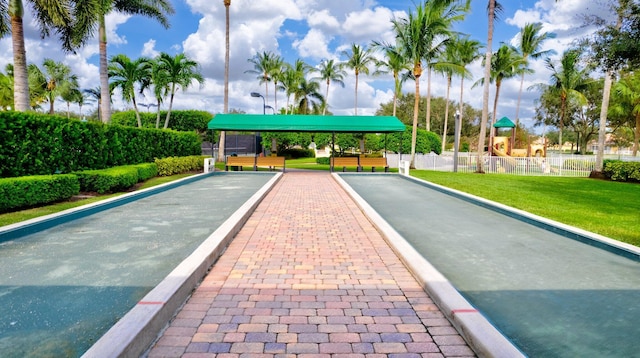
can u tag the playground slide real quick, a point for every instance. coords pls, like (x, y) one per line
(510, 163)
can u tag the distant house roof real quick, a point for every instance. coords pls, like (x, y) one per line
(306, 123)
(504, 122)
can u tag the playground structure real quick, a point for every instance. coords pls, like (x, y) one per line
(504, 146)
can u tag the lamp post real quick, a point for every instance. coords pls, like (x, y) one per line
(456, 141)
(264, 108)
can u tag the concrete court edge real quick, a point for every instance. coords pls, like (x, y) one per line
(479, 333)
(134, 333)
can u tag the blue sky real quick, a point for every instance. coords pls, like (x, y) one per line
(308, 29)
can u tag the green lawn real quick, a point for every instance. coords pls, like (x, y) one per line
(608, 208)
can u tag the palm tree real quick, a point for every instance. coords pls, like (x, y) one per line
(51, 82)
(180, 72)
(95, 94)
(159, 79)
(394, 63)
(467, 52)
(70, 93)
(448, 66)
(529, 42)
(291, 78)
(126, 74)
(49, 16)
(263, 67)
(358, 59)
(276, 73)
(493, 9)
(568, 81)
(6, 88)
(92, 13)
(307, 96)
(330, 71)
(505, 63)
(415, 36)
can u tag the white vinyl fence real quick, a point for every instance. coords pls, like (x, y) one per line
(560, 165)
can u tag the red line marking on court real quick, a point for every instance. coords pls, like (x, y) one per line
(464, 310)
(150, 303)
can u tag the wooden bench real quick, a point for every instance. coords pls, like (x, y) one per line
(374, 163)
(271, 162)
(344, 162)
(240, 162)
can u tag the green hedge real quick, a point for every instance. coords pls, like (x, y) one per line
(296, 153)
(171, 165)
(23, 192)
(622, 171)
(115, 179)
(37, 144)
(185, 121)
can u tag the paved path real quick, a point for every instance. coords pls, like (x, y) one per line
(309, 276)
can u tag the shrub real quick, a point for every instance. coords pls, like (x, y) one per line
(37, 144)
(185, 121)
(323, 160)
(108, 180)
(622, 171)
(174, 165)
(295, 153)
(28, 191)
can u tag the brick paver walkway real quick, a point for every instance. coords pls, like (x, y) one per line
(309, 276)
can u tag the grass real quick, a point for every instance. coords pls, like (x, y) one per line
(22, 215)
(608, 208)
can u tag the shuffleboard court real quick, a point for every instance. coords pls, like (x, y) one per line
(551, 295)
(62, 288)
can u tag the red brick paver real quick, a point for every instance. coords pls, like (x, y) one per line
(309, 276)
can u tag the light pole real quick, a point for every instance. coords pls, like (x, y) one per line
(264, 108)
(456, 141)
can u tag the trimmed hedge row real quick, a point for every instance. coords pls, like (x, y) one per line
(179, 120)
(115, 179)
(24, 192)
(622, 171)
(172, 165)
(37, 144)
(28, 191)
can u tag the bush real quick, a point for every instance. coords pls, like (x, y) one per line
(295, 153)
(622, 171)
(323, 160)
(37, 144)
(108, 180)
(174, 165)
(28, 191)
(184, 121)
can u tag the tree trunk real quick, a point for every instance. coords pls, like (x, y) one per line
(519, 100)
(428, 125)
(446, 115)
(356, 103)
(563, 102)
(158, 115)
(166, 120)
(395, 92)
(461, 108)
(417, 71)
(20, 77)
(105, 93)
(221, 142)
(326, 99)
(485, 93)
(135, 108)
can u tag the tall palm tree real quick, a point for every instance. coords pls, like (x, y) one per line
(222, 140)
(52, 81)
(263, 67)
(159, 80)
(415, 36)
(568, 81)
(448, 66)
(493, 8)
(307, 96)
(95, 94)
(468, 51)
(358, 59)
(126, 74)
(291, 78)
(70, 93)
(276, 73)
(49, 16)
(530, 40)
(92, 13)
(180, 72)
(505, 63)
(394, 63)
(330, 71)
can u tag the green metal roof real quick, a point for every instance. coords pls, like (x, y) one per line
(306, 123)
(504, 122)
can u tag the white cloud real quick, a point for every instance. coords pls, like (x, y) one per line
(148, 49)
